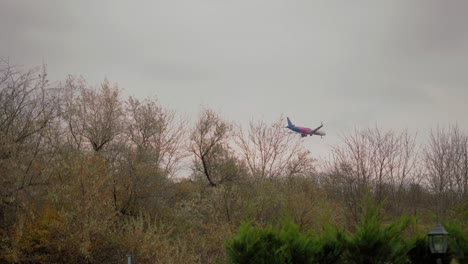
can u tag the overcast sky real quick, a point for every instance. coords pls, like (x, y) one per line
(395, 64)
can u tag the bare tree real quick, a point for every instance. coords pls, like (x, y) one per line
(270, 152)
(392, 160)
(150, 151)
(28, 103)
(374, 161)
(28, 111)
(156, 134)
(208, 143)
(93, 114)
(446, 162)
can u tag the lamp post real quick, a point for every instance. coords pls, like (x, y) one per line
(438, 241)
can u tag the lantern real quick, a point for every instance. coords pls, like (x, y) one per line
(438, 239)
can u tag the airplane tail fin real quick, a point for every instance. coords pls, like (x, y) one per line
(290, 124)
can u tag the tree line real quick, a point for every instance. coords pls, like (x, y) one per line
(88, 176)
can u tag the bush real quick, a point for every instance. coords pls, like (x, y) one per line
(457, 241)
(285, 244)
(270, 244)
(42, 239)
(373, 242)
(330, 245)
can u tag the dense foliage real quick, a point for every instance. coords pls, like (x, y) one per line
(372, 241)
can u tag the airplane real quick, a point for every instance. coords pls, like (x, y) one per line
(305, 131)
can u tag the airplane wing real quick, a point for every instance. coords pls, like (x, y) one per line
(319, 127)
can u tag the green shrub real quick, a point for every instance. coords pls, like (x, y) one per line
(372, 242)
(298, 248)
(270, 244)
(330, 245)
(457, 241)
(285, 244)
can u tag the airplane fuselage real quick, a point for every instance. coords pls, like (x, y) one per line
(305, 131)
(301, 130)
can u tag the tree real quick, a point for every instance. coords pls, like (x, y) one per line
(208, 143)
(380, 162)
(28, 115)
(156, 135)
(446, 163)
(270, 152)
(149, 152)
(93, 114)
